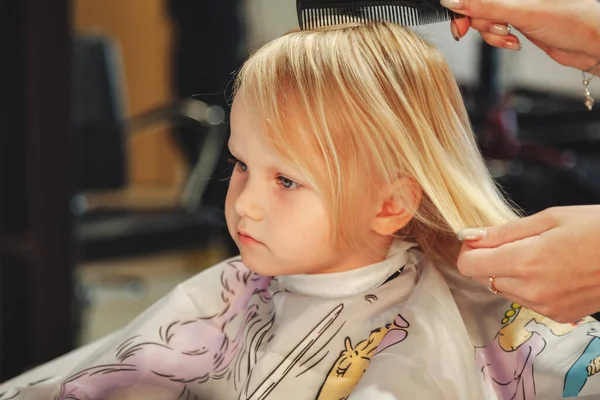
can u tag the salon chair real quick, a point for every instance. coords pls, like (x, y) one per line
(100, 134)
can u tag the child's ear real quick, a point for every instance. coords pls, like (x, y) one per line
(396, 206)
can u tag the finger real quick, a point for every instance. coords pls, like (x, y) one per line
(520, 291)
(513, 231)
(505, 286)
(460, 27)
(507, 260)
(508, 41)
(495, 28)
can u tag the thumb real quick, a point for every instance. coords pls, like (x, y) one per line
(495, 236)
(493, 10)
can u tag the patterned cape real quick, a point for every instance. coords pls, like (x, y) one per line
(419, 331)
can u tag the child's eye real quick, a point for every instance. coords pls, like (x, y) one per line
(287, 183)
(243, 167)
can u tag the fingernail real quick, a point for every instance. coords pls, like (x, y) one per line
(452, 4)
(471, 234)
(513, 44)
(499, 29)
(454, 30)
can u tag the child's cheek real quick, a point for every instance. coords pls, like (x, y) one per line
(236, 184)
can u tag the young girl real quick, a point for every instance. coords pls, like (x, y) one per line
(354, 166)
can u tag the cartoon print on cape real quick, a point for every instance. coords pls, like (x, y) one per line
(347, 370)
(586, 366)
(508, 362)
(293, 358)
(190, 352)
(352, 362)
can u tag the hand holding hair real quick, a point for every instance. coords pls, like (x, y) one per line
(567, 30)
(548, 262)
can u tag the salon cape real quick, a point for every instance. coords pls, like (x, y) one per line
(399, 329)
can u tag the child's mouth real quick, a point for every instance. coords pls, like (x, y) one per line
(247, 240)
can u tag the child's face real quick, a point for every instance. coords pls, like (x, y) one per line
(279, 222)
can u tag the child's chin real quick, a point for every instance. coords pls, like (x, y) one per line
(258, 265)
(263, 267)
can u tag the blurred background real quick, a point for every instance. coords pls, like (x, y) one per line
(113, 124)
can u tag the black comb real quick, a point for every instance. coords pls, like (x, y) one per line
(319, 13)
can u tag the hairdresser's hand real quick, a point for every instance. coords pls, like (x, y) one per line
(548, 262)
(567, 30)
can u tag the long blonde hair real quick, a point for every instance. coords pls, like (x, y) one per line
(375, 102)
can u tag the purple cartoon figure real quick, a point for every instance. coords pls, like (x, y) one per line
(507, 363)
(188, 353)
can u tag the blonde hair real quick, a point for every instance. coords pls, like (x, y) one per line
(375, 102)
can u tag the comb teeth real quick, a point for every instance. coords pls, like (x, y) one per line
(314, 14)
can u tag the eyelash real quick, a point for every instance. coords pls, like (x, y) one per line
(281, 180)
(238, 164)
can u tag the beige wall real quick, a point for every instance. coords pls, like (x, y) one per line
(144, 33)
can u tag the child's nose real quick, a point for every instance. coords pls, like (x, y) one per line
(248, 203)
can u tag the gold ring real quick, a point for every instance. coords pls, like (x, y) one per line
(491, 286)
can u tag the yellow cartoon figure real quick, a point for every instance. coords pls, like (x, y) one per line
(514, 333)
(352, 363)
(507, 363)
(594, 367)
